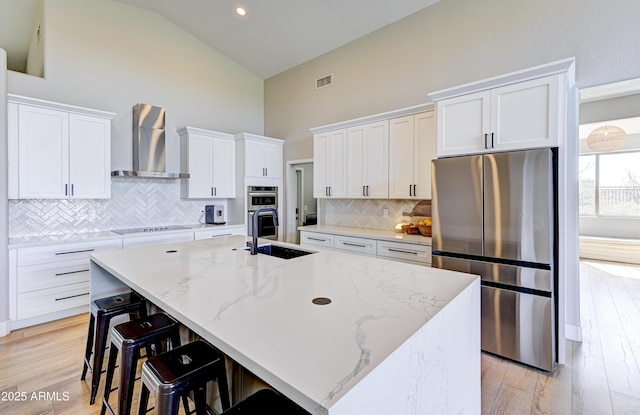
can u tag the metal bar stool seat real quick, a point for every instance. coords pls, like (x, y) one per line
(102, 311)
(172, 375)
(129, 338)
(265, 401)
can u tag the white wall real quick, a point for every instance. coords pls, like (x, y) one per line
(451, 43)
(4, 224)
(108, 55)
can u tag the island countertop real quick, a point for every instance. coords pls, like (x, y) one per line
(392, 333)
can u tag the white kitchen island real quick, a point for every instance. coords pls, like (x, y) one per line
(395, 339)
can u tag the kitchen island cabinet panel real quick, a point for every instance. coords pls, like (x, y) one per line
(157, 238)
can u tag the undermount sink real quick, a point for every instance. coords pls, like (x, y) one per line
(281, 251)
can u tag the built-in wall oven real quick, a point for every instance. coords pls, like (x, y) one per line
(259, 197)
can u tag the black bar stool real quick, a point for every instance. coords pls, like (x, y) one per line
(102, 311)
(266, 401)
(172, 375)
(129, 338)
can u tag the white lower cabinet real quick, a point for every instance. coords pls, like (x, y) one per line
(361, 246)
(51, 279)
(404, 252)
(319, 240)
(414, 253)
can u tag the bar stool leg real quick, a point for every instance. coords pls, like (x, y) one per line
(200, 399)
(111, 368)
(144, 400)
(101, 341)
(89, 348)
(128, 365)
(166, 404)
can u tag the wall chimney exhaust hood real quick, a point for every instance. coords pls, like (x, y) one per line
(149, 151)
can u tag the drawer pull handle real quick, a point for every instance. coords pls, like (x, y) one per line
(75, 252)
(71, 272)
(356, 245)
(317, 239)
(71, 296)
(222, 234)
(403, 251)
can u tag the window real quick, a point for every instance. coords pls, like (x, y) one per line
(609, 184)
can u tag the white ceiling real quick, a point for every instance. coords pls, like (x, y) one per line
(274, 36)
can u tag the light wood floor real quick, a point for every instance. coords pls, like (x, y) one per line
(602, 374)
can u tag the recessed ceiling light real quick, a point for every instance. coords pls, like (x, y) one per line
(241, 11)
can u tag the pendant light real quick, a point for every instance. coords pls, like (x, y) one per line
(606, 138)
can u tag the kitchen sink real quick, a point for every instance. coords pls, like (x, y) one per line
(281, 251)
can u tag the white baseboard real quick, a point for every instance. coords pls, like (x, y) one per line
(572, 332)
(5, 328)
(610, 249)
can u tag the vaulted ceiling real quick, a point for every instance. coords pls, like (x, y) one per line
(273, 36)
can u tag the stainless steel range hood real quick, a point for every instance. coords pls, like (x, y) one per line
(149, 150)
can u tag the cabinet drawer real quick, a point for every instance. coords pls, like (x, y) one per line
(317, 239)
(64, 252)
(51, 300)
(360, 246)
(405, 252)
(38, 277)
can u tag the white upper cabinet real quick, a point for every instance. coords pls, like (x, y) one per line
(368, 161)
(263, 156)
(61, 153)
(209, 158)
(515, 116)
(330, 164)
(411, 149)
(89, 156)
(381, 156)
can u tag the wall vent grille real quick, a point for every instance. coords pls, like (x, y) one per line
(324, 81)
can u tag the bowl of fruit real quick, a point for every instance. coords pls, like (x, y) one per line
(424, 226)
(410, 229)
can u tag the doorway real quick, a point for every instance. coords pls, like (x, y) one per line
(300, 204)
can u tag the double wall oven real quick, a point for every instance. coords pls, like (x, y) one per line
(259, 197)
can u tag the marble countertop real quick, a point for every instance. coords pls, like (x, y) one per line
(258, 309)
(31, 241)
(368, 233)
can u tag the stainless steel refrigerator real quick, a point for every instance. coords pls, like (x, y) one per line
(495, 215)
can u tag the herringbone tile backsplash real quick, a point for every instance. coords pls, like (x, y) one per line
(156, 202)
(366, 213)
(134, 203)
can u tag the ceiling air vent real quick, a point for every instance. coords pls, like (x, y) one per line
(324, 81)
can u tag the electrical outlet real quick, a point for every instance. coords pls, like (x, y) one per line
(385, 212)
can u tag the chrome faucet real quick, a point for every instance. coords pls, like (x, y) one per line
(254, 230)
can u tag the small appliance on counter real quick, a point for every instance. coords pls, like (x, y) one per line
(214, 214)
